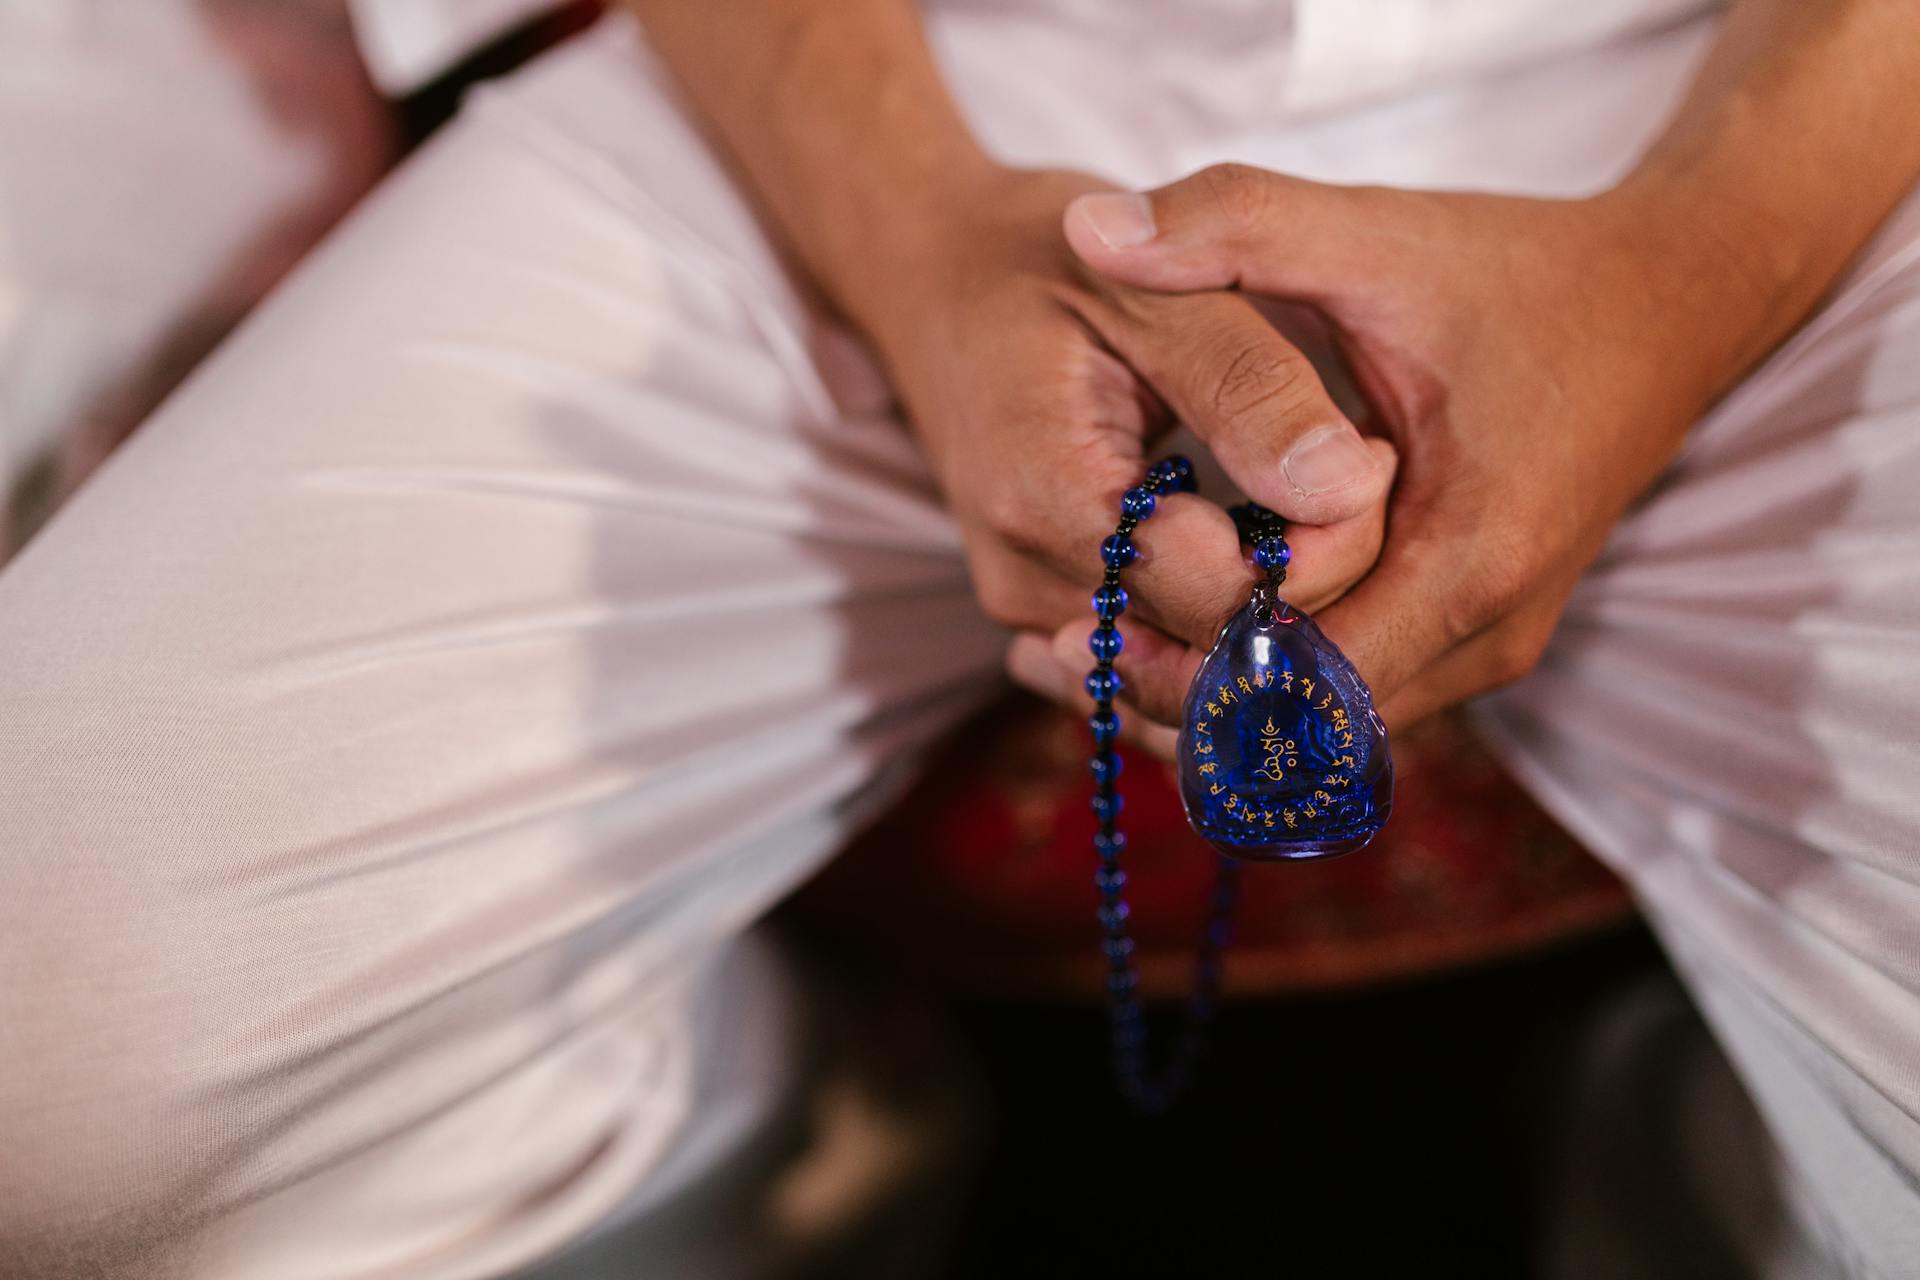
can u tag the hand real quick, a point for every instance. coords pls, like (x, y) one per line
(1537, 363)
(1035, 427)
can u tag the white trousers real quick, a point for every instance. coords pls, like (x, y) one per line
(397, 732)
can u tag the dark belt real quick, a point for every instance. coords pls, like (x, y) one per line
(429, 107)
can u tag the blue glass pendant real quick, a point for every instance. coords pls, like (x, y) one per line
(1282, 756)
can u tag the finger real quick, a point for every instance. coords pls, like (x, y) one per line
(1190, 571)
(1252, 396)
(1384, 628)
(1156, 669)
(1033, 665)
(1158, 740)
(1455, 677)
(1329, 559)
(1232, 226)
(1401, 619)
(1499, 655)
(1020, 593)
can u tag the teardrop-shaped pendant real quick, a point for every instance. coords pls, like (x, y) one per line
(1282, 756)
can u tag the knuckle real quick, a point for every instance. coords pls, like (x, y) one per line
(1466, 612)
(1255, 377)
(1349, 565)
(997, 587)
(1503, 581)
(1515, 652)
(1238, 193)
(1000, 602)
(1503, 587)
(1008, 519)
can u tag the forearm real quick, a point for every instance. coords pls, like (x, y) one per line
(1799, 135)
(836, 118)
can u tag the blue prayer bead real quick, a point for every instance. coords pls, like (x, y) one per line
(1272, 553)
(1183, 474)
(1127, 1020)
(1175, 475)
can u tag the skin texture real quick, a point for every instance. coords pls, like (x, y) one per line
(1033, 458)
(1534, 364)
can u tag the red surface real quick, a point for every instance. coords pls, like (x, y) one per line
(982, 876)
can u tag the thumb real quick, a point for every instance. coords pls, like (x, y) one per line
(1227, 226)
(1252, 396)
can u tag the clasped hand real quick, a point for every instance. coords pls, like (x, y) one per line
(1523, 362)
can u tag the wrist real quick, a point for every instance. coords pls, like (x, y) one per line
(905, 241)
(991, 223)
(1725, 278)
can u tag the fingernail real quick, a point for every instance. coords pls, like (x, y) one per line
(1121, 219)
(1328, 459)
